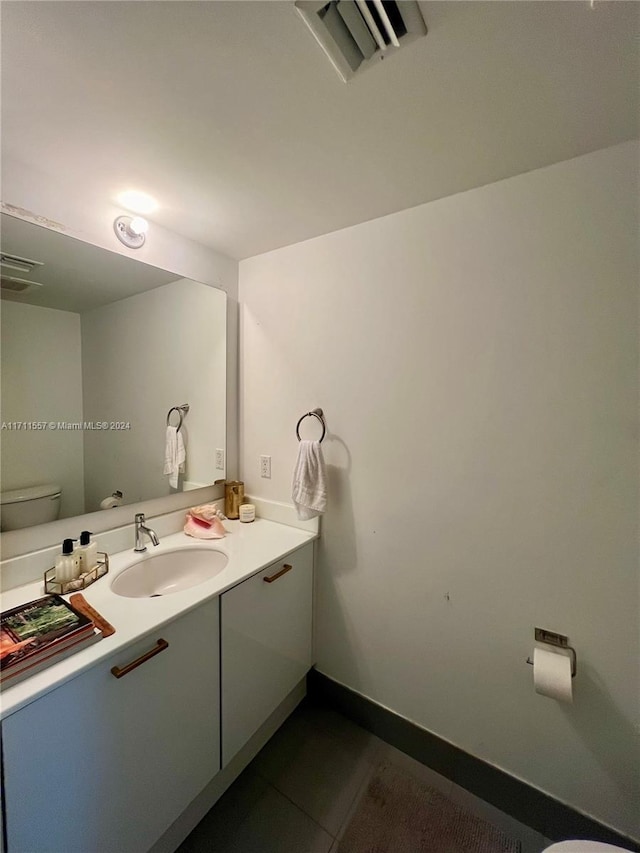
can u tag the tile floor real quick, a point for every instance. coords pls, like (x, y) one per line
(298, 794)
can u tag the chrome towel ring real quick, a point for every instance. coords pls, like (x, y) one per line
(316, 413)
(181, 410)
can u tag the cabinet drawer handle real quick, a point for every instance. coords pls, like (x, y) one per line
(160, 646)
(286, 568)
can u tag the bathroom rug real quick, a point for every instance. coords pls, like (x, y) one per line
(399, 814)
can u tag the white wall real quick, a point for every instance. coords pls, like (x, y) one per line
(142, 356)
(42, 382)
(476, 360)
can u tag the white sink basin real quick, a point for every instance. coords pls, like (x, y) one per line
(169, 572)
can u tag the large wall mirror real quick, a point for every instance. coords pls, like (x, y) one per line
(99, 352)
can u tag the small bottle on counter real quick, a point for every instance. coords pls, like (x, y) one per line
(87, 552)
(67, 563)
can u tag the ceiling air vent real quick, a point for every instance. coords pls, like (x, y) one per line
(15, 262)
(10, 285)
(356, 33)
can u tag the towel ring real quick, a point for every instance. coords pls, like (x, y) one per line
(316, 413)
(181, 410)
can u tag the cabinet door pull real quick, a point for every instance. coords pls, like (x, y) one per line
(286, 568)
(160, 646)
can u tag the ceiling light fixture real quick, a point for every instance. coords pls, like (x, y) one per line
(131, 230)
(137, 201)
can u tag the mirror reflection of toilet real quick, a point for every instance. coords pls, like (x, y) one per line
(32, 505)
(582, 847)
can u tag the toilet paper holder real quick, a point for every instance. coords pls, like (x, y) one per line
(558, 640)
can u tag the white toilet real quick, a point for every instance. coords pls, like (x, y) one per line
(32, 505)
(582, 847)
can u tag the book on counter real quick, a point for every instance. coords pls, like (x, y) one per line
(40, 633)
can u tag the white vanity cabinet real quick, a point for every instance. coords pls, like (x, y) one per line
(266, 627)
(107, 764)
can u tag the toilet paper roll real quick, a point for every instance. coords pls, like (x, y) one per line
(552, 675)
(110, 502)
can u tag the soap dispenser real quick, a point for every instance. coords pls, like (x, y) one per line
(87, 552)
(67, 563)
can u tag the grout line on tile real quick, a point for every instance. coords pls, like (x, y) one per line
(354, 804)
(299, 808)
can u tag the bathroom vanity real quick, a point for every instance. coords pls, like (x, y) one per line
(106, 749)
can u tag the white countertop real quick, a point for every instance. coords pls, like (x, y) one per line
(249, 547)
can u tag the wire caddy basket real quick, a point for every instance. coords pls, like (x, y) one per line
(82, 582)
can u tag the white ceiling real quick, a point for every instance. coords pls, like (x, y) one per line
(232, 117)
(75, 275)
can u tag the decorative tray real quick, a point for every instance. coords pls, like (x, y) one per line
(81, 582)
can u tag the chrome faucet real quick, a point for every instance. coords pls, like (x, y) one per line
(142, 528)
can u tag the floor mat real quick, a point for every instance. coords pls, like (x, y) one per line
(399, 814)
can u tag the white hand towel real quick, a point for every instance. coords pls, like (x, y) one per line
(309, 481)
(174, 455)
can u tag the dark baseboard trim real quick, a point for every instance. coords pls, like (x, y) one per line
(553, 819)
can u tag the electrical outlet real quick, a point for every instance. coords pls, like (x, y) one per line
(220, 458)
(265, 467)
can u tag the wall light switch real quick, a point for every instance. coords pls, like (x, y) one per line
(220, 458)
(265, 467)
